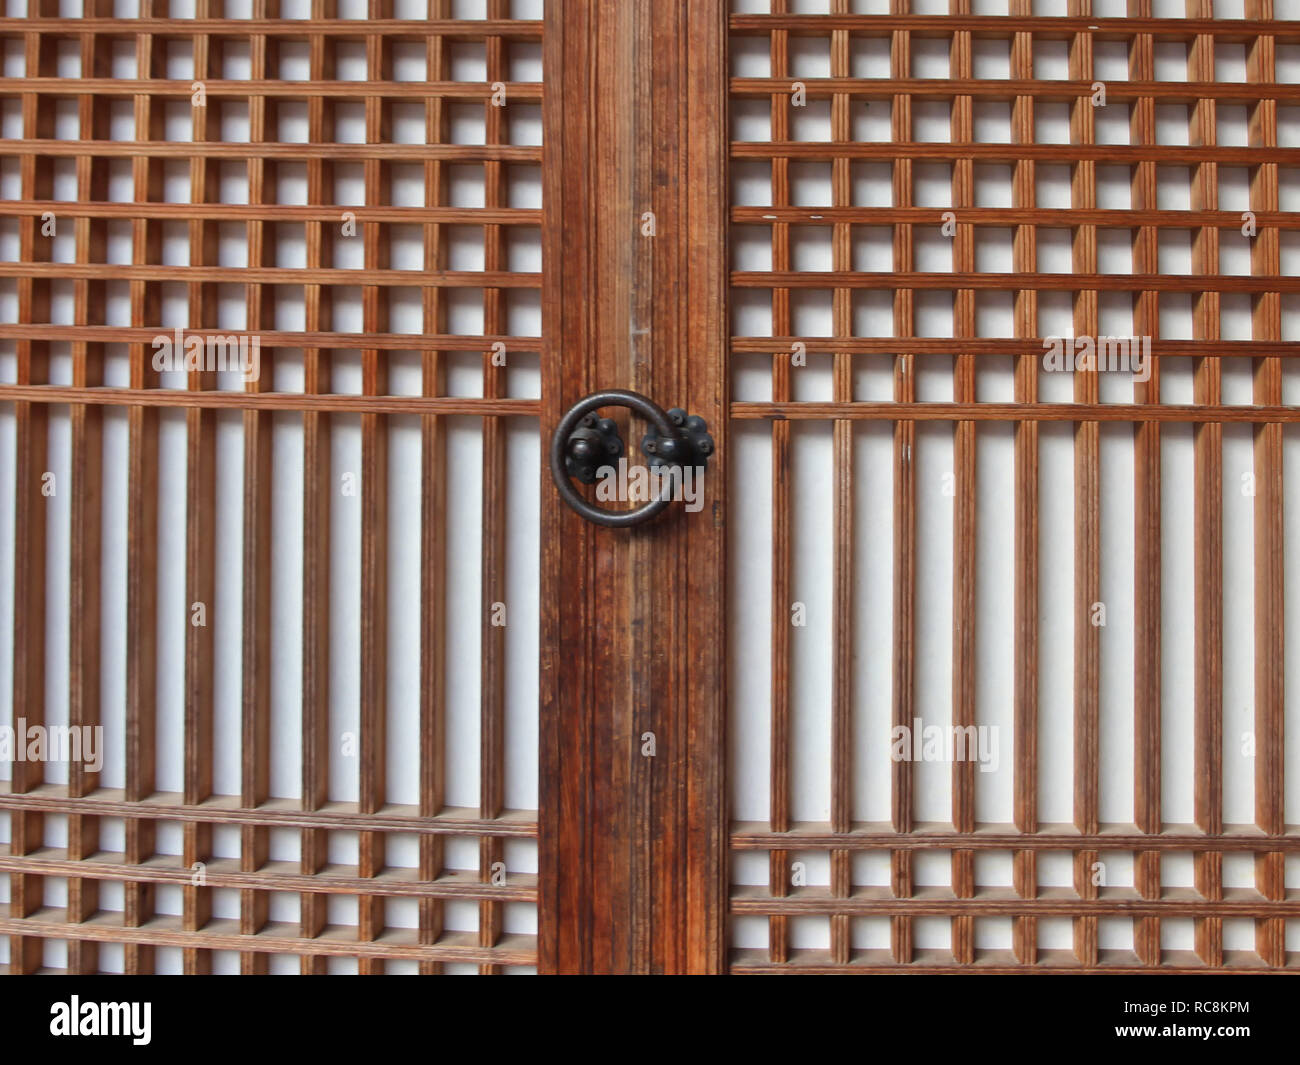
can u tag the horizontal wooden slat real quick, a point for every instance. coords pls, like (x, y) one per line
(1001, 412)
(1047, 27)
(295, 401)
(275, 813)
(283, 275)
(1005, 89)
(1252, 349)
(151, 149)
(275, 876)
(217, 89)
(916, 280)
(1236, 838)
(289, 212)
(297, 29)
(1048, 217)
(1173, 192)
(223, 934)
(181, 153)
(280, 338)
(939, 962)
(1004, 902)
(999, 152)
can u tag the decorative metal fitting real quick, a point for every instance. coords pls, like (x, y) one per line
(593, 444)
(690, 445)
(582, 443)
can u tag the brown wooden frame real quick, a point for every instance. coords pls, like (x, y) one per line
(314, 815)
(633, 847)
(902, 837)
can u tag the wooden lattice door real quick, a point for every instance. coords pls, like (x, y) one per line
(370, 697)
(1079, 577)
(315, 757)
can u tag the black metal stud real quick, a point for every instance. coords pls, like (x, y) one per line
(593, 444)
(691, 445)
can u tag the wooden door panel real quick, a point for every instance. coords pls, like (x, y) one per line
(309, 720)
(375, 699)
(919, 201)
(633, 634)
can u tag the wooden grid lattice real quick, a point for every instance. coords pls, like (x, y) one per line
(41, 152)
(42, 90)
(845, 898)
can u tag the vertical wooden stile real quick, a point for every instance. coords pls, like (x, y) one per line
(1024, 252)
(904, 619)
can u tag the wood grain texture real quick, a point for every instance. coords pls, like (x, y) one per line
(1087, 508)
(86, 524)
(842, 701)
(433, 507)
(964, 680)
(1025, 724)
(317, 486)
(160, 161)
(903, 707)
(1019, 20)
(270, 25)
(799, 43)
(1072, 90)
(200, 544)
(632, 847)
(255, 695)
(634, 850)
(494, 600)
(1270, 611)
(286, 813)
(1145, 251)
(1208, 535)
(373, 650)
(783, 597)
(142, 528)
(996, 836)
(31, 450)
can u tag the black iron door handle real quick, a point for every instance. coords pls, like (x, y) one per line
(583, 444)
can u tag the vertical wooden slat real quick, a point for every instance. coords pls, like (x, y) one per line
(88, 219)
(1145, 250)
(142, 512)
(904, 610)
(492, 644)
(1087, 505)
(704, 318)
(255, 724)
(964, 509)
(779, 866)
(86, 519)
(200, 520)
(31, 447)
(1270, 602)
(609, 575)
(1090, 905)
(843, 566)
(1025, 311)
(1208, 646)
(314, 842)
(632, 845)
(433, 500)
(374, 504)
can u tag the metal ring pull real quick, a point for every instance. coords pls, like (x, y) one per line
(581, 445)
